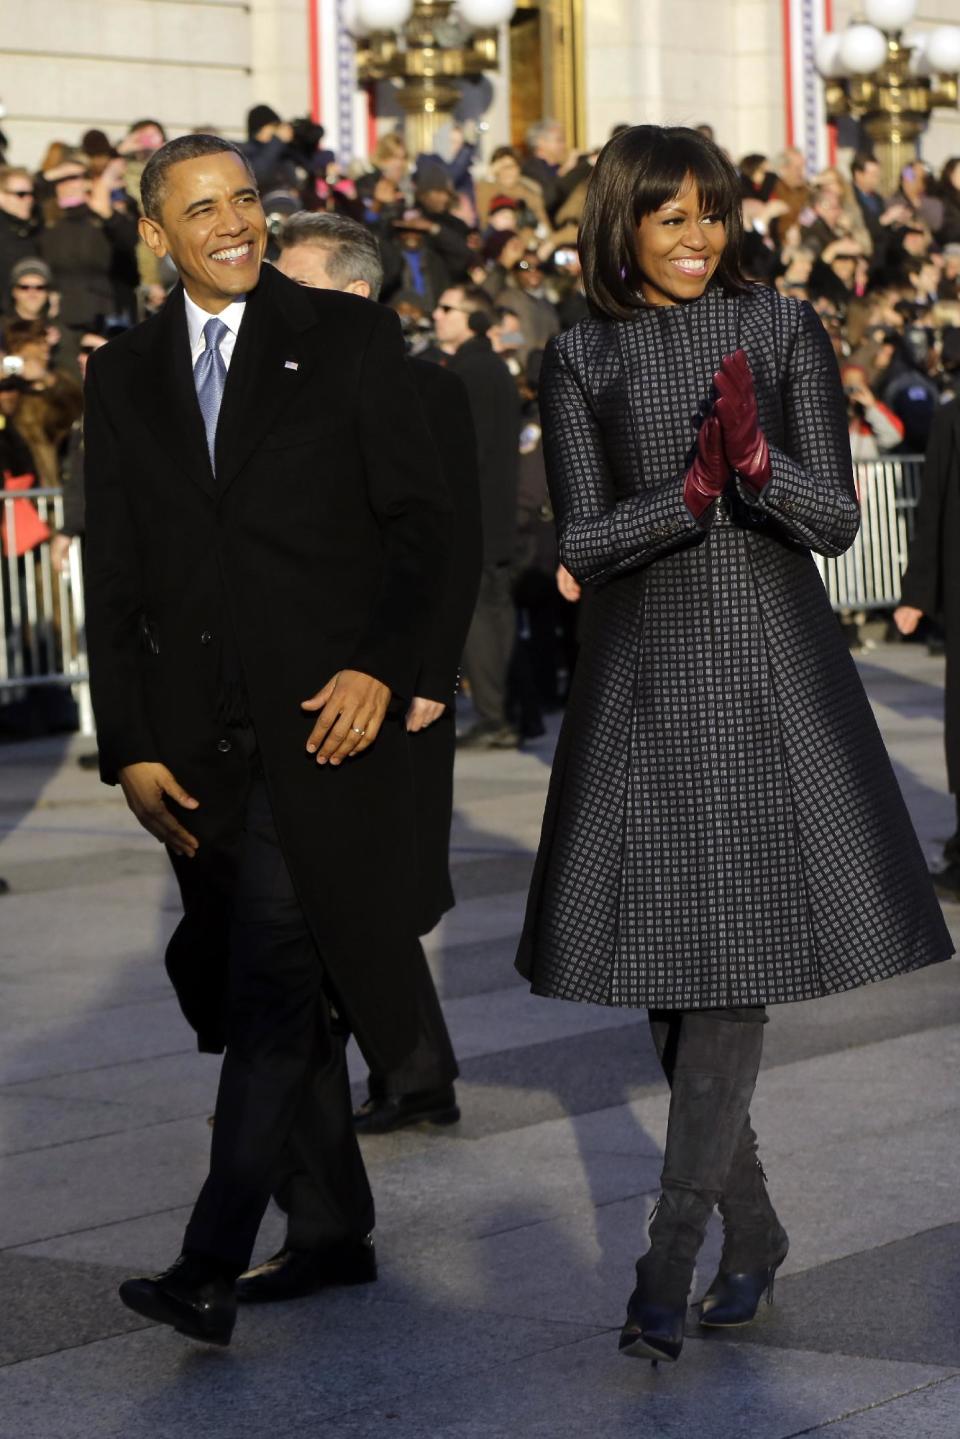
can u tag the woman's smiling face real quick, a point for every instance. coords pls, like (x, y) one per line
(679, 248)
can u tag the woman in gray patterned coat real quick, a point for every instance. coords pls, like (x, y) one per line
(723, 830)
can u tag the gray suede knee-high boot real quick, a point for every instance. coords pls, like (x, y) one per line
(755, 1243)
(714, 1076)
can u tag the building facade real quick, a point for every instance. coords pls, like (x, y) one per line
(743, 66)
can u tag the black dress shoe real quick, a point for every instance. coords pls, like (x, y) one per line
(429, 1106)
(293, 1273)
(489, 736)
(188, 1296)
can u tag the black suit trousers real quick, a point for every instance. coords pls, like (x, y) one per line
(489, 646)
(432, 1063)
(283, 1105)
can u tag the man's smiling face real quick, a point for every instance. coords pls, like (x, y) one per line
(212, 226)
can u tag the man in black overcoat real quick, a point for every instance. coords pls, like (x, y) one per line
(330, 251)
(266, 538)
(931, 586)
(462, 319)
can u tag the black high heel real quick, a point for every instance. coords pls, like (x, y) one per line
(656, 1311)
(733, 1299)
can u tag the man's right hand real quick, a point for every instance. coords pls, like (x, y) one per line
(906, 618)
(567, 585)
(144, 786)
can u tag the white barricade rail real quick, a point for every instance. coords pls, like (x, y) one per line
(42, 614)
(868, 576)
(41, 610)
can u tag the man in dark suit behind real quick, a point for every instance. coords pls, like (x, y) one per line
(329, 251)
(931, 589)
(462, 320)
(266, 536)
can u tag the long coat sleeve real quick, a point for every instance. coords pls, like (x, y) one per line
(601, 536)
(116, 603)
(723, 826)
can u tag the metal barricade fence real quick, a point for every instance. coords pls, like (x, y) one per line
(41, 609)
(867, 576)
(42, 614)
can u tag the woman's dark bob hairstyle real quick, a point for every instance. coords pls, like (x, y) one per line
(636, 173)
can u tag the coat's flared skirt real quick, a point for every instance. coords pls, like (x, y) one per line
(723, 825)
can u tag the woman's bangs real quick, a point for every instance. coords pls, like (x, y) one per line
(677, 162)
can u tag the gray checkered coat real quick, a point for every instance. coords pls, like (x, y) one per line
(723, 825)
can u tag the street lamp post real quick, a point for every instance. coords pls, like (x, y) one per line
(890, 79)
(424, 47)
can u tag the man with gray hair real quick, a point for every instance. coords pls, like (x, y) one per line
(350, 254)
(556, 170)
(791, 188)
(324, 251)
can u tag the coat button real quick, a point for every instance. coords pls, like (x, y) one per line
(206, 637)
(224, 746)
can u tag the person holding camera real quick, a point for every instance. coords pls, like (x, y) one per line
(517, 280)
(874, 428)
(51, 399)
(906, 388)
(552, 165)
(268, 150)
(19, 226)
(90, 244)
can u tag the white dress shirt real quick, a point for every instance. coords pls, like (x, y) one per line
(197, 318)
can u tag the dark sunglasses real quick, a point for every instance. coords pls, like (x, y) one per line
(21, 286)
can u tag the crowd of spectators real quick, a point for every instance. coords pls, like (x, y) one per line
(480, 262)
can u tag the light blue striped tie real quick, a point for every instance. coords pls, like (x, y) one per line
(210, 376)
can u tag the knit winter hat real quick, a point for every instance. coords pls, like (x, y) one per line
(259, 116)
(31, 267)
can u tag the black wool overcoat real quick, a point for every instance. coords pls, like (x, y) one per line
(497, 417)
(446, 409)
(723, 825)
(321, 544)
(932, 580)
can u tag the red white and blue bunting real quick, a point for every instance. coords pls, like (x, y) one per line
(804, 21)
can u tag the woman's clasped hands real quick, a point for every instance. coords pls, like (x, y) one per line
(729, 440)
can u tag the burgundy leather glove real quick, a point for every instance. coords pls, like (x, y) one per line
(736, 409)
(707, 477)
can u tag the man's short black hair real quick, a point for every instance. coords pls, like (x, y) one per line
(861, 160)
(143, 124)
(153, 182)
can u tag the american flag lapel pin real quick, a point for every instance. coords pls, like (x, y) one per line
(291, 364)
